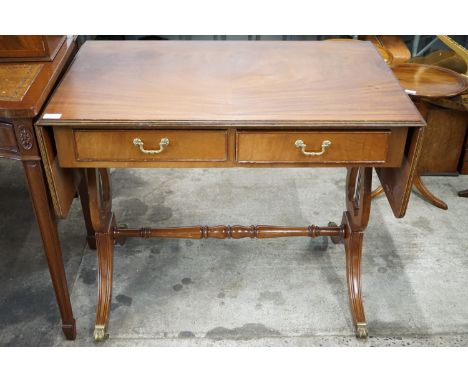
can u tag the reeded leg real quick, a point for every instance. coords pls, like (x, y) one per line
(48, 228)
(355, 220)
(103, 222)
(105, 246)
(426, 194)
(353, 248)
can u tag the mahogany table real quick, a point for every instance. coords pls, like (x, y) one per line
(235, 104)
(24, 88)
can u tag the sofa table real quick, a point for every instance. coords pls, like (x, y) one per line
(150, 104)
(24, 89)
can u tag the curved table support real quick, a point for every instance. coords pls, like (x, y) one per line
(350, 232)
(102, 219)
(428, 195)
(423, 190)
(104, 244)
(355, 219)
(353, 249)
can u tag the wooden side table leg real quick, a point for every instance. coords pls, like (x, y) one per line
(84, 198)
(48, 228)
(426, 194)
(103, 222)
(353, 248)
(105, 249)
(355, 219)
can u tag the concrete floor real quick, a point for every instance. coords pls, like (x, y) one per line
(271, 292)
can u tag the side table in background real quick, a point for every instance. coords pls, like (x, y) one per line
(30, 67)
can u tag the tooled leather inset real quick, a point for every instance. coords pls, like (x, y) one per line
(15, 80)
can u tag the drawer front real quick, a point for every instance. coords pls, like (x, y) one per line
(118, 145)
(285, 147)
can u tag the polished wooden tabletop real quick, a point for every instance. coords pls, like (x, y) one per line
(430, 80)
(231, 83)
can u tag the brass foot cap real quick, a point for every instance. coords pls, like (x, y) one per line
(361, 330)
(100, 334)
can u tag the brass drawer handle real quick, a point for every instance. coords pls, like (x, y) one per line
(301, 145)
(162, 145)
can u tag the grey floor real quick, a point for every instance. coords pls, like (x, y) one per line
(275, 292)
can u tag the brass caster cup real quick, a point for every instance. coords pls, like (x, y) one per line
(361, 331)
(100, 333)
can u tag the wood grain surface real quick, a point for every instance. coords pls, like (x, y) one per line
(28, 100)
(430, 81)
(87, 147)
(346, 146)
(117, 145)
(443, 139)
(17, 48)
(230, 83)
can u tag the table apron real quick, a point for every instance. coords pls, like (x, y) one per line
(83, 147)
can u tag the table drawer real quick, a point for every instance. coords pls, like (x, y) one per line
(121, 145)
(288, 147)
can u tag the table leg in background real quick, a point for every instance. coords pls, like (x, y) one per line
(48, 229)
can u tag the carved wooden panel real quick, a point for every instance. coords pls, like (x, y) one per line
(26, 140)
(25, 136)
(15, 80)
